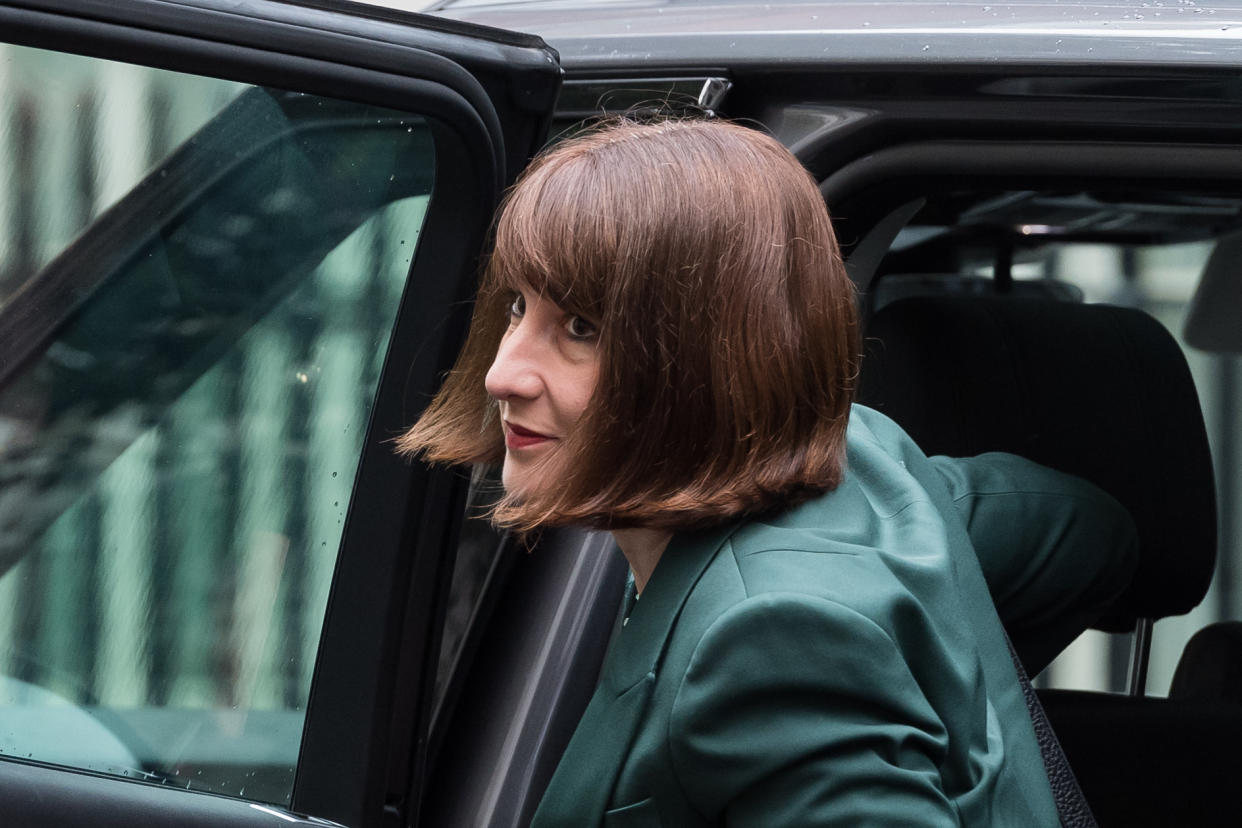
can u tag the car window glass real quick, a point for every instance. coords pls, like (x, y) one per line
(180, 428)
(76, 135)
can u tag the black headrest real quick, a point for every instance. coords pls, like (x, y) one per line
(1210, 668)
(1094, 390)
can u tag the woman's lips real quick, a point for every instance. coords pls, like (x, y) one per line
(517, 437)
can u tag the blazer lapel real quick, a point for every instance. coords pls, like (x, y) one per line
(582, 786)
(580, 789)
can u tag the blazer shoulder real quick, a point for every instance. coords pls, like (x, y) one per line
(779, 568)
(784, 687)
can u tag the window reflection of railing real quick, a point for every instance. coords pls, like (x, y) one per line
(75, 136)
(193, 572)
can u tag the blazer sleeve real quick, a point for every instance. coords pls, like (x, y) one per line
(1056, 551)
(798, 711)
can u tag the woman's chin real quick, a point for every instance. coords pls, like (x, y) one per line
(517, 482)
(525, 473)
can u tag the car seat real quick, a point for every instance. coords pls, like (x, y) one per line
(1210, 668)
(1098, 391)
(1104, 393)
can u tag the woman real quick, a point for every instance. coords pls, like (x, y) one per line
(664, 346)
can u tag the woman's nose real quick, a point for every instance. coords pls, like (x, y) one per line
(515, 370)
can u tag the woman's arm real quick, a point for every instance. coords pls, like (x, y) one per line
(1055, 550)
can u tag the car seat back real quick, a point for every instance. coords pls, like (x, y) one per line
(1098, 391)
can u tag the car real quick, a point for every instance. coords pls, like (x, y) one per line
(238, 243)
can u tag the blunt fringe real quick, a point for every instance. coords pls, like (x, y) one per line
(728, 338)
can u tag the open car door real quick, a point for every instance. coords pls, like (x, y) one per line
(237, 244)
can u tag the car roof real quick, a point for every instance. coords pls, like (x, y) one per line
(738, 32)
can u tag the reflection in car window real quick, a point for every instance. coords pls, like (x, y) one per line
(76, 135)
(180, 430)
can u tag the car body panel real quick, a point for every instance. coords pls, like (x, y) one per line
(784, 34)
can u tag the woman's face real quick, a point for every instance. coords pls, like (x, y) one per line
(543, 377)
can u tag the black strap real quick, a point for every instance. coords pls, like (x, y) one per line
(1072, 808)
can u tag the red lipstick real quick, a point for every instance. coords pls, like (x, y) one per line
(517, 437)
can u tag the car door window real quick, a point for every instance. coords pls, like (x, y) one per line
(186, 378)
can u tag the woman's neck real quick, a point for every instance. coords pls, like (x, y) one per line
(642, 548)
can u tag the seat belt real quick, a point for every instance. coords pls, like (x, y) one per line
(1072, 808)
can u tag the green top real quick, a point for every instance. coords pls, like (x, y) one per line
(840, 663)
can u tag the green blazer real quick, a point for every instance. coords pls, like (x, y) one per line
(840, 663)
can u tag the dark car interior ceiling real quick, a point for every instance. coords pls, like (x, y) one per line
(993, 201)
(983, 241)
(958, 237)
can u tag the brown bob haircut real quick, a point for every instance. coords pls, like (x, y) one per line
(728, 342)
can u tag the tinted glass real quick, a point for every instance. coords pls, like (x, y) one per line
(188, 375)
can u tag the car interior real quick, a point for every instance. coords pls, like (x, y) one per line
(970, 365)
(1097, 391)
(977, 338)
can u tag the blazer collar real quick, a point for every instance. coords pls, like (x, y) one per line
(582, 786)
(638, 646)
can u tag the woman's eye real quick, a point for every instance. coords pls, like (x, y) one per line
(579, 328)
(517, 308)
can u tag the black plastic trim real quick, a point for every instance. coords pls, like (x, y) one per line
(536, 664)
